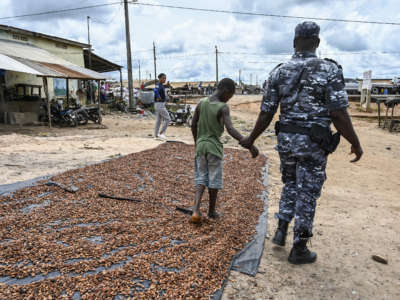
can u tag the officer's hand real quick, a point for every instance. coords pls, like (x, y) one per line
(246, 142)
(357, 151)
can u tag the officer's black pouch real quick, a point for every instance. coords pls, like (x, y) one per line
(324, 137)
(277, 128)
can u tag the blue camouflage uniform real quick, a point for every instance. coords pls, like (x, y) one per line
(307, 89)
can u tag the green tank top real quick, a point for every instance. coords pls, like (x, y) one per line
(209, 129)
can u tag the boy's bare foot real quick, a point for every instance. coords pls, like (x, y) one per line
(196, 218)
(213, 215)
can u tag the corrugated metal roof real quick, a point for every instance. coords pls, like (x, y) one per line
(7, 63)
(40, 62)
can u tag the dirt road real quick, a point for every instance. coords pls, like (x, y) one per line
(357, 215)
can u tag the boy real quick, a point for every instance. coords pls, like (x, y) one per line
(210, 117)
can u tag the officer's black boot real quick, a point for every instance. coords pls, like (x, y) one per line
(300, 254)
(280, 234)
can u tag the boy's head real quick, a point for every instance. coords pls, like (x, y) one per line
(162, 77)
(225, 89)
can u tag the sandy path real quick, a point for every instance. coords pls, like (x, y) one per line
(357, 215)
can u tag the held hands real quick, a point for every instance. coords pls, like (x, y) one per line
(246, 142)
(358, 152)
(254, 151)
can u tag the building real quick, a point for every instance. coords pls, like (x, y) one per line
(32, 62)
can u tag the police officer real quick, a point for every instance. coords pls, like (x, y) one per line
(311, 95)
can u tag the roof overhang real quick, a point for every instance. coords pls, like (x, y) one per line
(98, 63)
(33, 60)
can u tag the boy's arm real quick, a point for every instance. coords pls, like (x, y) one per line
(233, 132)
(226, 118)
(263, 121)
(195, 122)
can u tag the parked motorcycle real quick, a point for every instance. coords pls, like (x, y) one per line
(93, 114)
(182, 115)
(66, 117)
(81, 113)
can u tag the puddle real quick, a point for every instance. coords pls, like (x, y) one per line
(28, 209)
(95, 239)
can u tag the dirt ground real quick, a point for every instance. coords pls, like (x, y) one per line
(357, 215)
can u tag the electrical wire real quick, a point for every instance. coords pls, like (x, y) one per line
(59, 11)
(263, 14)
(258, 14)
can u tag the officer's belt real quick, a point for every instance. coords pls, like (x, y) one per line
(294, 129)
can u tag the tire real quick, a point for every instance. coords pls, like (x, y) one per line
(82, 118)
(189, 121)
(99, 119)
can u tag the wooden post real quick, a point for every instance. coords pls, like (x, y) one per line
(120, 79)
(129, 56)
(98, 96)
(216, 64)
(67, 91)
(46, 92)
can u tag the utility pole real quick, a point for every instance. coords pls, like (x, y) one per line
(251, 78)
(140, 79)
(256, 79)
(240, 73)
(155, 63)
(89, 57)
(216, 64)
(129, 56)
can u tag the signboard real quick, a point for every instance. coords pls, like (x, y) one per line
(60, 86)
(367, 84)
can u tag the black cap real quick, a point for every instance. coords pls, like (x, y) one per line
(306, 29)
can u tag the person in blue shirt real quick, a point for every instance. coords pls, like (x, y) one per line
(162, 115)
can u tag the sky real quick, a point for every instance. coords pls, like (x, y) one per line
(185, 40)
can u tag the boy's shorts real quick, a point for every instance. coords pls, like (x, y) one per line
(208, 171)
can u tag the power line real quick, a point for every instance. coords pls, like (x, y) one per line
(264, 14)
(110, 20)
(202, 10)
(59, 11)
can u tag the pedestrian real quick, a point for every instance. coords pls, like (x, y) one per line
(311, 95)
(210, 117)
(162, 115)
